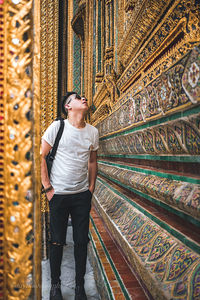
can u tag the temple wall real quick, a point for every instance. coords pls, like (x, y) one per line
(144, 94)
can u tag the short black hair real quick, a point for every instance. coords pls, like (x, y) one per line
(64, 99)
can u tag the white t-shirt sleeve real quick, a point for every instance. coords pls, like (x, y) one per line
(96, 140)
(50, 134)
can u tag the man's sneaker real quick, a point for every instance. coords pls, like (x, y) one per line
(55, 292)
(80, 293)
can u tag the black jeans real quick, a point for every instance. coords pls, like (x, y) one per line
(78, 206)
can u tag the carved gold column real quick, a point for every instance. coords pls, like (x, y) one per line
(2, 128)
(19, 194)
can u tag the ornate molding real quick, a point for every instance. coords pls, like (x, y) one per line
(176, 89)
(78, 22)
(100, 113)
(144, 15)
(171, 39)
(173, 138)
(49, 68)
(180, 195)
(130, 4)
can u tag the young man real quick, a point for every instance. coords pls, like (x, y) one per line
(69, 188)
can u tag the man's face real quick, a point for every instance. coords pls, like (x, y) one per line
(77, 103)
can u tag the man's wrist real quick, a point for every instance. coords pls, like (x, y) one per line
(48, 189)
(91, 188)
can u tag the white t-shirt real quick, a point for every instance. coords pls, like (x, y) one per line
(69, 173)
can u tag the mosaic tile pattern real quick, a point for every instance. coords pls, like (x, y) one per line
(182, 195)
(77, 64)
(123, 284)
(169, 269)
(175, 137)
(175, 89)
(76, 57)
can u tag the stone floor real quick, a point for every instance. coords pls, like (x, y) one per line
(68, 274)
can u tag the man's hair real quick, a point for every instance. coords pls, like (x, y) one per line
(64, 100)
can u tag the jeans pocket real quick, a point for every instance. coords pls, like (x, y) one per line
(50, 201)
(90, 193)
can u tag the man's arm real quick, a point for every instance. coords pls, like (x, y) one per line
(92, 170)
(44, 172)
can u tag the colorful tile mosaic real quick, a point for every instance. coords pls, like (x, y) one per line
(175, 89)
(180, 195)
(169, 269)
(119, 280)
(177, 137)
(190, 80)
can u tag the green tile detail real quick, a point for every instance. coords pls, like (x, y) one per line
(76, 64)
(109, 21)
(149, 124)
(111, 263)
(189, 243)
(75, 6)
(99, 35)
(76, 57)
(116, 34)
(152, 172)
(94, 48)
(157, 157)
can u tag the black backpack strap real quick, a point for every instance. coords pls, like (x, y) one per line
(59, 134)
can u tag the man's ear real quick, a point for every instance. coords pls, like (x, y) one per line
(68, 107)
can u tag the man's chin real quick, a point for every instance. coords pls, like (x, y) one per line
(86, 107)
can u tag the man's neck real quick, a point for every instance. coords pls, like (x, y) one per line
(77, 121)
